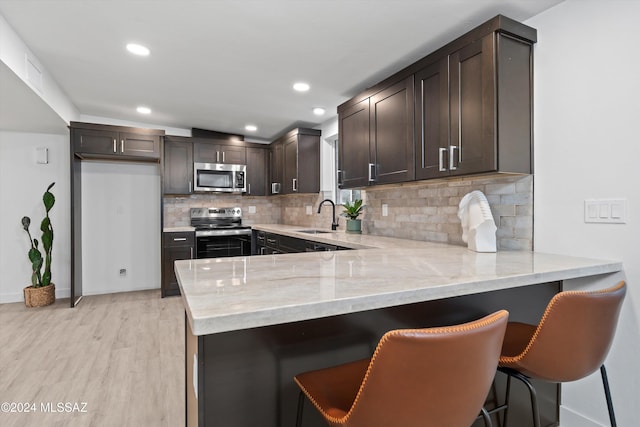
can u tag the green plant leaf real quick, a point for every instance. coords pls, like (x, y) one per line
(49, 200)
(46, 278)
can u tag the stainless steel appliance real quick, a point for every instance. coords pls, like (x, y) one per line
(220, 233)
(219, 177)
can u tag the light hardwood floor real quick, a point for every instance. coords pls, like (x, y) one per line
(121, 354)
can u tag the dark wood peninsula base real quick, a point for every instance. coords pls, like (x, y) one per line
(245, 377)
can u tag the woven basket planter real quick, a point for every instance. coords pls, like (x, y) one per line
(39, 297)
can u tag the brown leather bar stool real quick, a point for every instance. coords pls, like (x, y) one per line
(570, 342)
(416, 377)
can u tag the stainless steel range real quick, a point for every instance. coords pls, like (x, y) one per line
(220, 233)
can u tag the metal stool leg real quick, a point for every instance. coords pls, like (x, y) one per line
(487, 418)
(607, 395)
(532, 393)
(506, 401)
(300, 408)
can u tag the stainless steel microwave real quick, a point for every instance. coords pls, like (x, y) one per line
(219, 177)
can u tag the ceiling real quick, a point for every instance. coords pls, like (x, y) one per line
(223, 64)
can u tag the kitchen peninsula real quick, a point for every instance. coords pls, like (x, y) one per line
(254, 322)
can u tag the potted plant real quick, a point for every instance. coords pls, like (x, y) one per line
(42, 291)
(352, 211)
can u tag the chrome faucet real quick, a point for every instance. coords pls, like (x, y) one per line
(334, 224)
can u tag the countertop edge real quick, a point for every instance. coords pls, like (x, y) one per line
(267, 317)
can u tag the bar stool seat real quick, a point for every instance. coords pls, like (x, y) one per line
(571, 341)
(416, 377)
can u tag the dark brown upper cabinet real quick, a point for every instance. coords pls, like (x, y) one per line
(391, 128)
(178, 165)
(353, 145)
(296, 160)
(494, 71)
(470, 112)
(432, 119)
(376, 138)
(276, 167)
(212, 152)
(94, 141)
(256, 178)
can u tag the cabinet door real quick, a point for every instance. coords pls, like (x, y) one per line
(472, 103)
(308, 163)
(175, 246)
(232, 154)
(391, 143)
(178, 167)
(170, 282)
(290, 184)
(432, 120)
(276, 163)
(353, 146)
(205, 152)
(256, 172)
(92, 141)
(139, 145)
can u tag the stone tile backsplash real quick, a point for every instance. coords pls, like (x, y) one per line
(429, 210)
(425, 210)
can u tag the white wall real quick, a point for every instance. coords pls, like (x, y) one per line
(587, 88)
(120, 226)
(22, 183)
(14, 53)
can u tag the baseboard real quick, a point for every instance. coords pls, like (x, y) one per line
(569, 418)
(118, 289)
(19, 296)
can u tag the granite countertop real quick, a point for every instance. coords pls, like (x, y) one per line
(226, 294)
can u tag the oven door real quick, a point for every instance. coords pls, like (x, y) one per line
(223, 246)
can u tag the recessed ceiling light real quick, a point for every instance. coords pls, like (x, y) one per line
(143, 110)
(138, 49)
(318, 111)
(251, 128)
(301, 87)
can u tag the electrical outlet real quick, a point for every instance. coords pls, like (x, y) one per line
(385, 210)
(309, 211)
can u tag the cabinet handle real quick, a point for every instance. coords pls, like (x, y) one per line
(223, 157)
(191, 252)
(217, 157)
(294, 184)
(275, 187)
(190, 184)
(115, 147)
(371, 172)
(179, 239)
(339, 177)
(248, 188)
(122, 145)
(441, 153)
(452, 153)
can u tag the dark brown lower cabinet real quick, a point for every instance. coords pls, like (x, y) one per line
(175, 246)
(244, 378)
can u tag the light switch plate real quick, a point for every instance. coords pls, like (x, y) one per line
(385, 210)
(605, 211)
(309, 211)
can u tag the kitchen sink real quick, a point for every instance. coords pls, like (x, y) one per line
(313, 231)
